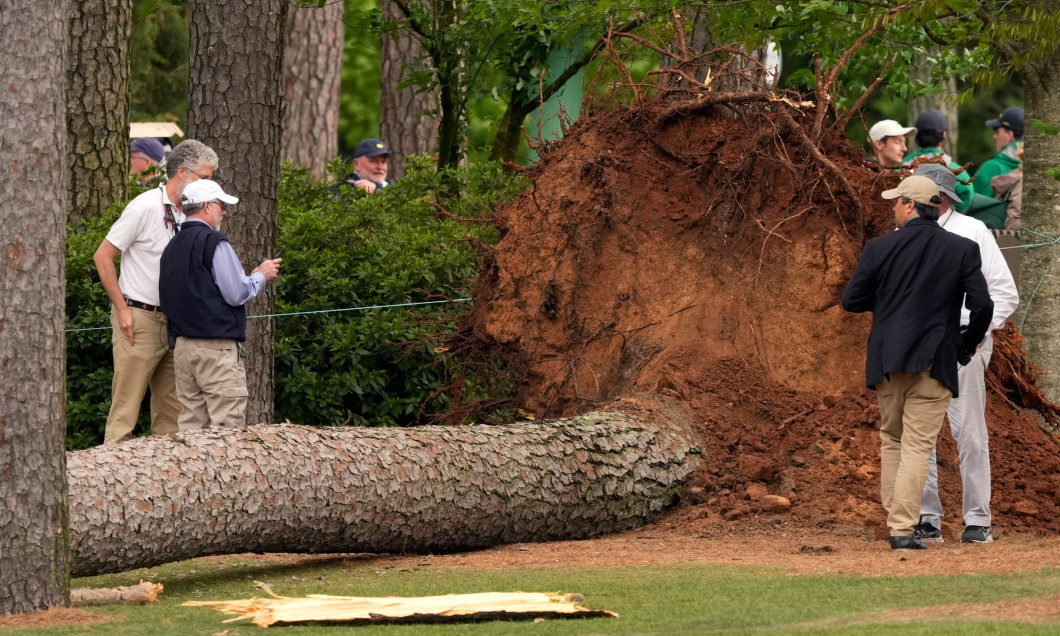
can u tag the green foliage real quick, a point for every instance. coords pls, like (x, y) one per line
(375, 367)
(344, 249)
(158, 54)
(359, 99)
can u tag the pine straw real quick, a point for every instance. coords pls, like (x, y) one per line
(320, 608)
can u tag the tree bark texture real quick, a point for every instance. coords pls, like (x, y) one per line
(298, 489)
(97, 112)
(312, 80)
(944, 102)
(404, 122)
(234, 94)
(33, 521)
(1039, 276)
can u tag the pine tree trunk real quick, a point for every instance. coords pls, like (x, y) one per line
(921, 72)
(1039, 277)
(402, 122)
(318, 490)
(235, 91)
(33, 521)
(312, 79)
(98, 105)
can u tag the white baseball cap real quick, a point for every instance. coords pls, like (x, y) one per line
(888, 128)
(204, 191)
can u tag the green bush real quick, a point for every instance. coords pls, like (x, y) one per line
(335, 362)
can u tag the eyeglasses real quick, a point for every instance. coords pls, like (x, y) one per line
(210, 176)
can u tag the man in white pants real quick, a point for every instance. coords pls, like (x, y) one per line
(967, 413)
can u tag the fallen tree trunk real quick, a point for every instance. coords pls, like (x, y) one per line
(324, 490)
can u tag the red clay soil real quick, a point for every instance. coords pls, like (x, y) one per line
(702, 257)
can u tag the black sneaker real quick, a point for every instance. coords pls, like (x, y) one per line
(909, 542)
(976, 534)
(927, 533)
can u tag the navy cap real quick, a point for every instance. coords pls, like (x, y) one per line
(148, 146)
(370, 148)
(931, 120)
(1011, 118)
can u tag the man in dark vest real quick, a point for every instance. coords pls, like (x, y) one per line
(915, 281)
(203, 290)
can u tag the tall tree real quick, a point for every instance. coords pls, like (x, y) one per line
(944, 100)
(235, 95)
(312, 79)
(98, 105)
(408, 119)
(34, 535)
(1036, 58)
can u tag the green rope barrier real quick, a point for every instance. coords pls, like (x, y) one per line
(323, 311)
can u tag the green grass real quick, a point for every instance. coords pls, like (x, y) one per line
(687, 599)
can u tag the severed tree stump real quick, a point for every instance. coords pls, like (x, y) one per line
(300, 489)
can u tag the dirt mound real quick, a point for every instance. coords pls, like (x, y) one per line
(703, 256)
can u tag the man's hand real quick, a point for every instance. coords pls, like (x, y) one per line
(270, 269)
(108, 275)
(125, 321)
(963, 358)
(369, 186)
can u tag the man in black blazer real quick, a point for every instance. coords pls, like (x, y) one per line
(915, 281)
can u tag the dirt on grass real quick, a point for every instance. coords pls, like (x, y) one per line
(701, 254)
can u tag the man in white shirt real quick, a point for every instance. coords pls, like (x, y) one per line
(140, 345)
(967, 413)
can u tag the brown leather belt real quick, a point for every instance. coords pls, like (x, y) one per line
(139, 305)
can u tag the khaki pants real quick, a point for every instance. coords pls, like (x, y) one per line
(211, 383)
(912, 406)
(148, 362)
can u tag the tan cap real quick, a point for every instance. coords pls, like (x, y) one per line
(916, 188)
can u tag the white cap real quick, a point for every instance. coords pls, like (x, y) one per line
(204, 191)
(888, 128)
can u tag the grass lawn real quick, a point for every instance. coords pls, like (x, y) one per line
(686, 599)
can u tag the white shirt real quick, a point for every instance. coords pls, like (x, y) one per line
(141, 233)
(998, 277)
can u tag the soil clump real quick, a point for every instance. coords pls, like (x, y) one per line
(702, 257)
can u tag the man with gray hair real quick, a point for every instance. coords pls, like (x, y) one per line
(142, 357)
(967, 411)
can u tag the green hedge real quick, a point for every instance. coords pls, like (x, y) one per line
(345, 250)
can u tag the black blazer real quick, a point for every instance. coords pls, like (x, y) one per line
(914, 281)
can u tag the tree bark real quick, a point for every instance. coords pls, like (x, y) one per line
(1039, 277)
(312, 80)
(316, 490)
(235, 94)
(921, 72)
(98, 105)
(406, 122)
(33, 521)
